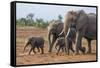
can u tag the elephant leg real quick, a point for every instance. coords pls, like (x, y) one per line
(53, 41)
(30, 51)
(68, 46)
(42, 50)
(58, 50)
(26, 46)
(62, 49)
(72, 50)
(89, 46)
(38, 49)
(68, 51)
(49, 41)
(79, 43)
(34, 50)
(65, 49)
(56, 47)
(71, 47)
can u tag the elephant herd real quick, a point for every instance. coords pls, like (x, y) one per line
(77, 24)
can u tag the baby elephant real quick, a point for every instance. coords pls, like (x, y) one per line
(69, 40)
(60, 43)
(35, 42)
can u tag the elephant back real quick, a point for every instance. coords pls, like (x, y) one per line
(91, 32)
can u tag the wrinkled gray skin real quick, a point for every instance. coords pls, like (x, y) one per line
(35, 42)
(60, 43)
(54, 29)
(70, 39)
(85, 26)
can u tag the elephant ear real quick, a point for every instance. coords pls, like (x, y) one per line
(51, 25)
(82, 20)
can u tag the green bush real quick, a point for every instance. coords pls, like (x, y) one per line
(35, 24)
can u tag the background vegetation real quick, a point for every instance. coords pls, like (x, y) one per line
(30, 21)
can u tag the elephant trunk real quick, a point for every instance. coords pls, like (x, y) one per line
(49, 41)
(26, 46)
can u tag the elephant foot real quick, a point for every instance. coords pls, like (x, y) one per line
(56, 53)
(42, 53)
(83, 50)
(73, 50)
(77, 53)
(34, 52)
(89, 52)
(68, 53)
(49, 51)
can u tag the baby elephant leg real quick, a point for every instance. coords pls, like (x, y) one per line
(42, 50)
(58, 50)
(62, 49)
(34, 50)
(67, 47)
(71, 47)
(38, 49)
(30, 51)
(56, 47)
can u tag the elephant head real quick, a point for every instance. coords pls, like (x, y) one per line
(75, 18)
(80, 20)
(69, 19)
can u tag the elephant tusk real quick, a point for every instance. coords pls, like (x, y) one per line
(67, 33)
(61, 33)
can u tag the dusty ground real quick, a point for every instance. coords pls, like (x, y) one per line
(23, 33)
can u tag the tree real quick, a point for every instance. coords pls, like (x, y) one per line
(23, 20)
(29, 19)
(60, 17)
(39, 21)
(30, 16)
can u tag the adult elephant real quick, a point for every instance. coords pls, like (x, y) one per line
(85, 26)
(54, 29)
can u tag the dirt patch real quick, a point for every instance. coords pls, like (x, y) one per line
(23, 33)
